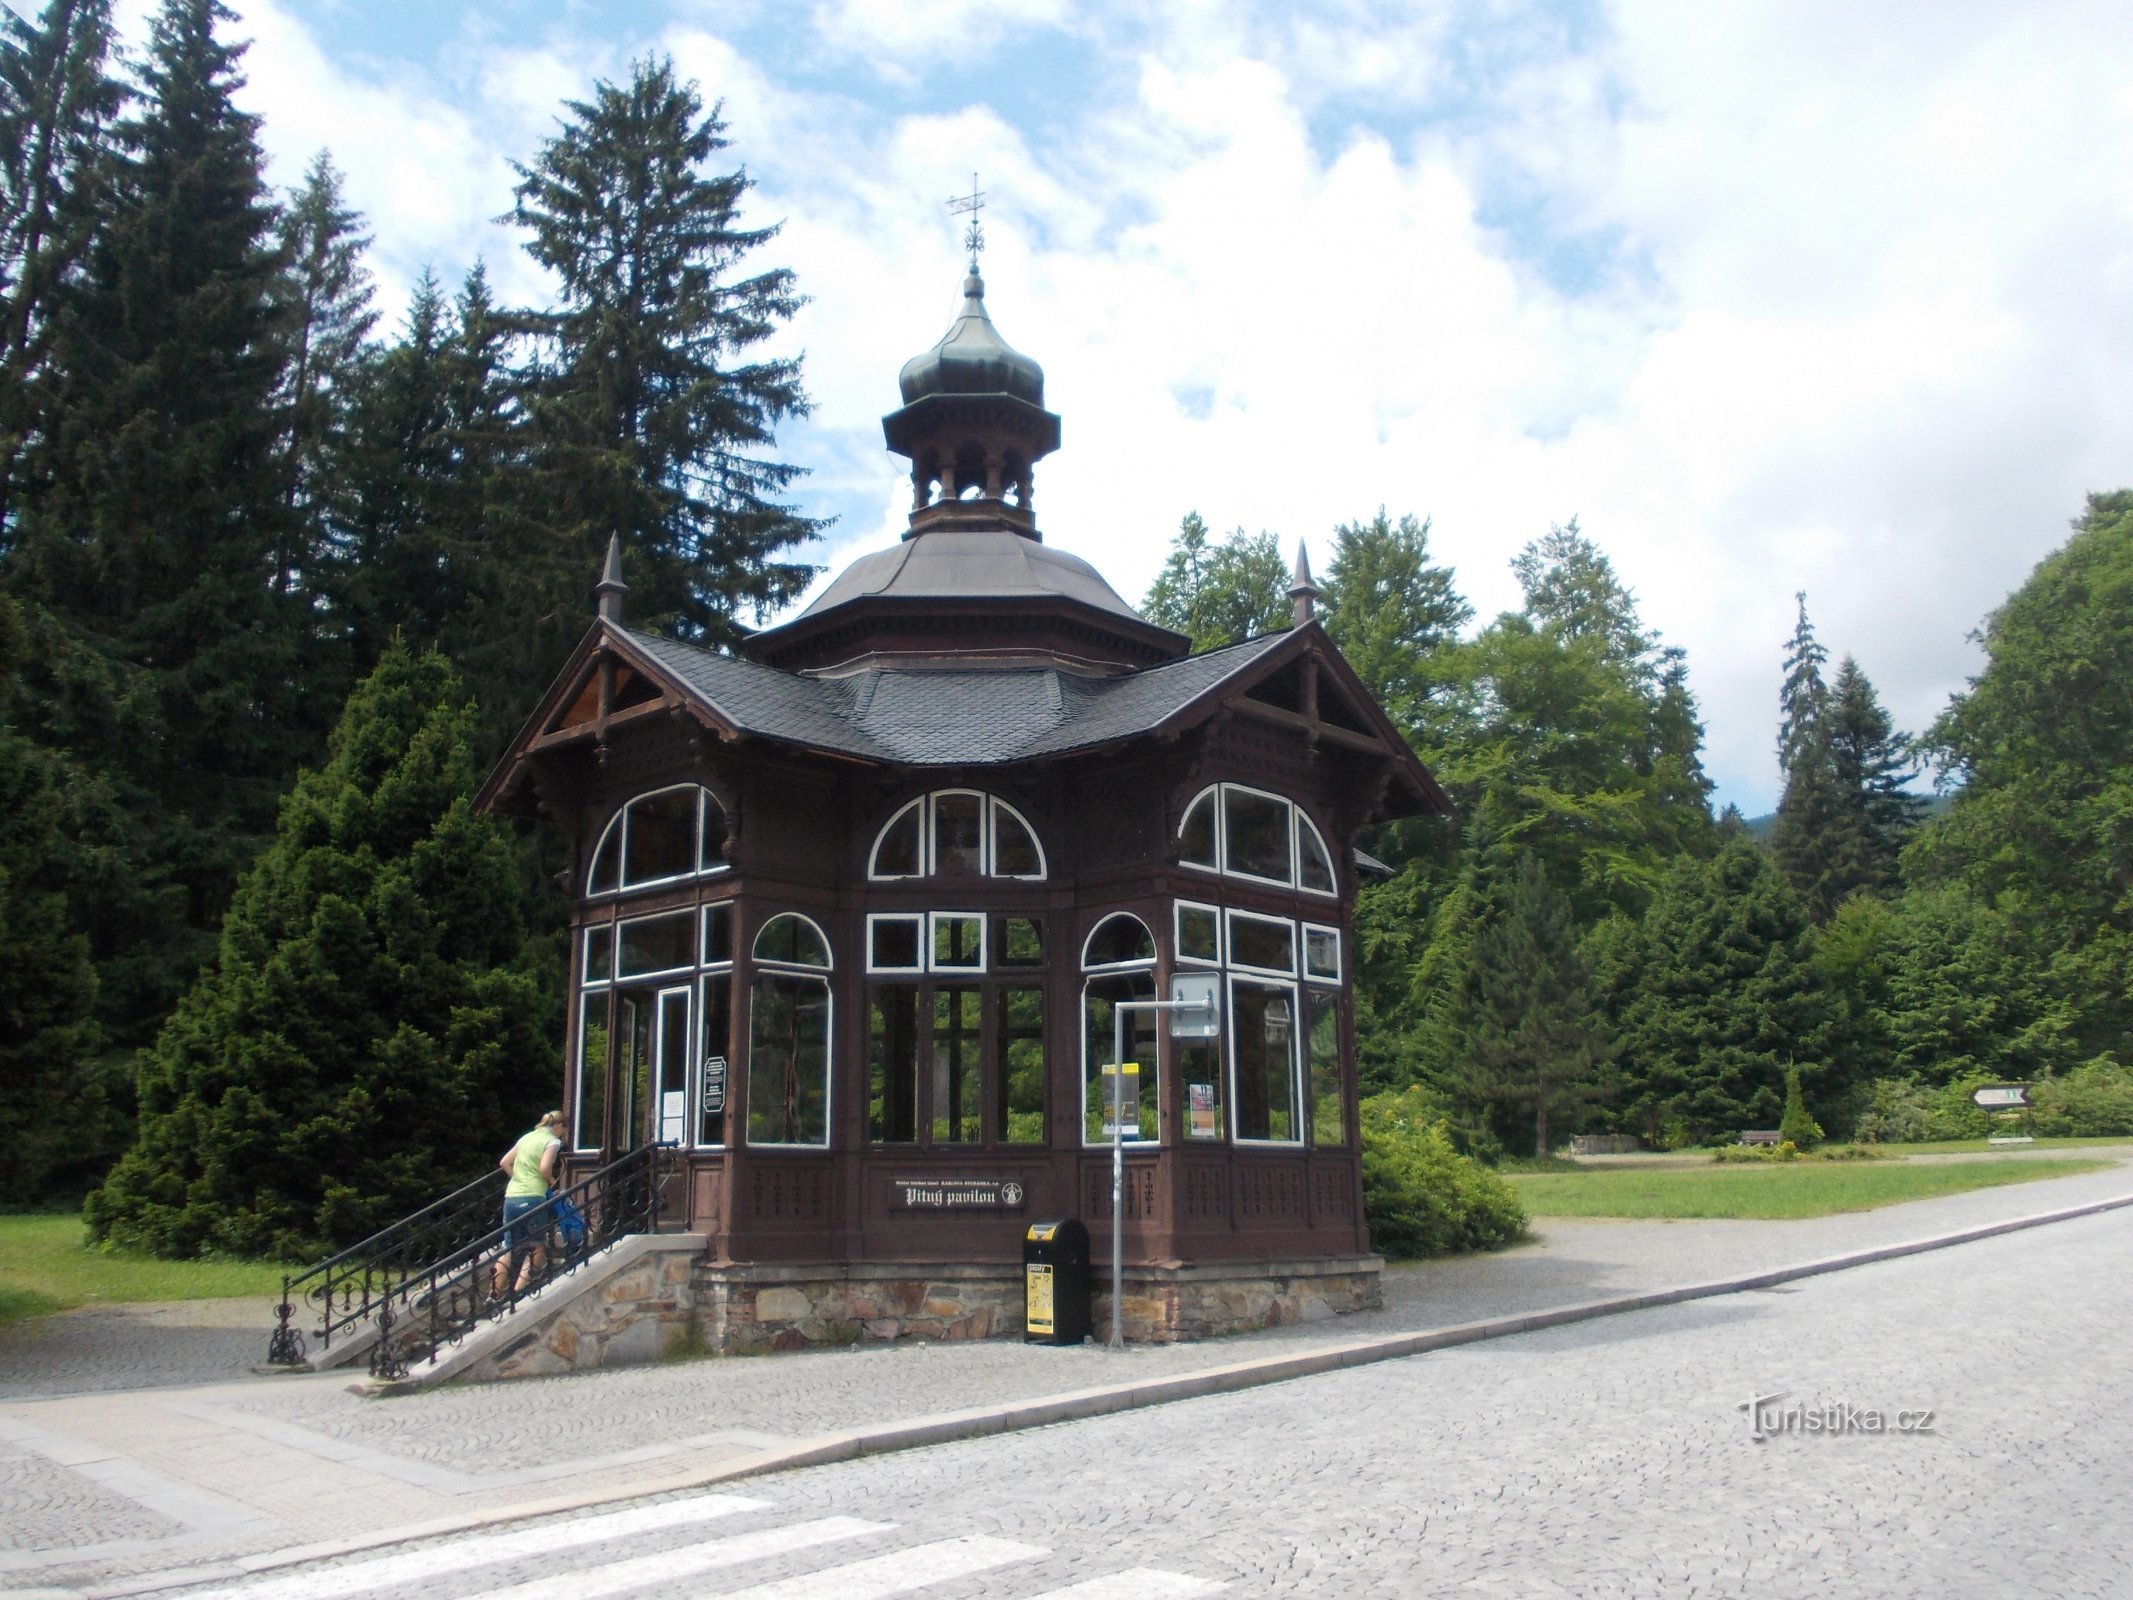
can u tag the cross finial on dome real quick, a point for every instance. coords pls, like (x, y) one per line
(969, 206)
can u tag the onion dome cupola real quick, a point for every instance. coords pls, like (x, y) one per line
(972, 583)
(973, 424)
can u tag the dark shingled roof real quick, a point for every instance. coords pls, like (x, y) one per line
(946, 718)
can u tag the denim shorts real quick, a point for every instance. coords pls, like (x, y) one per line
(522, 1234)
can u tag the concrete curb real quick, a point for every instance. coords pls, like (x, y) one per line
(947, 1427)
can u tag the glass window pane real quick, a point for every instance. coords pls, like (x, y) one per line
(1200, 1064)
(1098, 997)
(1257, 835)
(713, 849)
(660, 838)
(892, 1064)
(674, 1052)
(590, 1100)
(718, 933)
(605, 878)
(788, 1060)
(896, 853)
(1315, 869)
(1196, 838)
(1199, 933)
(599, 954)
(658, 944)
(893, 944)
(958, 834)
(1117, 939)
(1322, 952)
(1262, 1053)
(958, 1072)
(1021, 942)
(714, 1080)
(793, 940)
(633, 1075)
(1261, 942)
(1022, 1067)
(1329, 1101)
(958, 942)
(1014, 847)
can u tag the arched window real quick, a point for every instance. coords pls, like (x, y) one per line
(789, 1034)
(1119, 959)
(957, 832)
(1249, 833)
(661, 837)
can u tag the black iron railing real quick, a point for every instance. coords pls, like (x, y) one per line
(431, 1278)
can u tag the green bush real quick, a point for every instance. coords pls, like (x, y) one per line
(2094, 1100)
(1422, 1197)
(1796, 1127)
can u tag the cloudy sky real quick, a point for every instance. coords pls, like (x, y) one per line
(1771, 297)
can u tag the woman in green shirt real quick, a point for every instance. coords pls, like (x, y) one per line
(531, 1166)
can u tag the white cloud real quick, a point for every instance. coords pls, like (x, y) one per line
(1773, 297)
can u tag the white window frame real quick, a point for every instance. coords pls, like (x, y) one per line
(1254, 976)
(1302, 822)
(783, 969)
(618, 829)
(1222, 834)
(696, 947)
(925, 844)
(933, 921)
(1103, 922)
(994, 805)
(614, 946)
(918, 921)
(704, 958)
(1229, 939)
(710, 973)
(1303, 953)
(1178, 908)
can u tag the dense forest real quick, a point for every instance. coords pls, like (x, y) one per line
(280, 570)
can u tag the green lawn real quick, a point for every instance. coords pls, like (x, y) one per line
(1946, 1147)
(46, 1267)
(1778, 1190)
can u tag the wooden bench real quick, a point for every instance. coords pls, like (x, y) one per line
(1759, 1136)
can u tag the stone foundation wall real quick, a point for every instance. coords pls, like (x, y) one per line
(661, 1298)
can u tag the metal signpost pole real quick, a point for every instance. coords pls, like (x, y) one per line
(1202, 1003)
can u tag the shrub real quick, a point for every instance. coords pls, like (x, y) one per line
(1421, 1196)
(1796, 1127)
(2094, 1100)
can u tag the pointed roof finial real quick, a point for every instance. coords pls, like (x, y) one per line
(1302, 591)
(610, 589)
(969, 206)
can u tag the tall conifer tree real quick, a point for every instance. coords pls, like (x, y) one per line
(652, 407)
(1809, 815)
(174, 660)
(57, 103)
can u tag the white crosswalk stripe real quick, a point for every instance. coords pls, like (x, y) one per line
(691, 1561)
(1137, 1583)
(919, 1566)
(898, 1573)
(545, 1538)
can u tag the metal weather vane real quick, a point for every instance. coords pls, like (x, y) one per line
(969, 206)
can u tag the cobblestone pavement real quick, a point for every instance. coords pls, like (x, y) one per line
(1611, 1458)
(241, 1467)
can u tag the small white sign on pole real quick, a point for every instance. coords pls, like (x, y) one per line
(2002, 1096)
(1195, 1010)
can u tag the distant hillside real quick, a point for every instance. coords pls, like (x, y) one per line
(1759, 827)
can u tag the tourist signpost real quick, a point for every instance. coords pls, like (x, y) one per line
(1195, 1013)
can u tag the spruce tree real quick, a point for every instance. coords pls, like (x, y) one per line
(58, 1106)
(1871, 763)
(1805, 837)
(376, 1026)
(57, 103)
(1714, 994)
(330, 317)
(1532, 1041)
(1220, 594)
(651, 406)
(175, 663)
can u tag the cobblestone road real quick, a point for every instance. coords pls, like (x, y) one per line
(1609, 1458)
(253, 1466)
